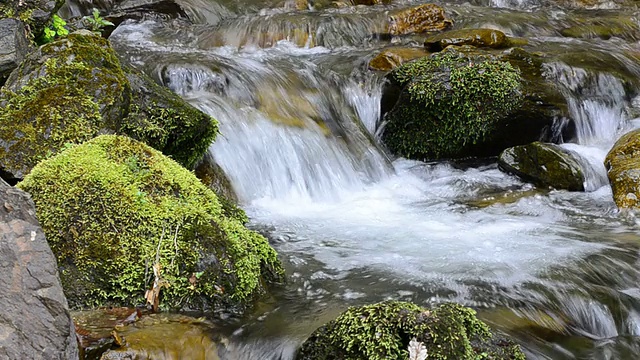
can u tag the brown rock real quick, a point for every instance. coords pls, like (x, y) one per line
(475, 37)
(623, 169)
(391, 58)
(427, 17)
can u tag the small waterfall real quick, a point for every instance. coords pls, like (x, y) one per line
(596, 103)
(281, 137)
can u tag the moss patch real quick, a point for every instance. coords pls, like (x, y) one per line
(449, 101)
(112, 207)
(383, 331)
(68, 98)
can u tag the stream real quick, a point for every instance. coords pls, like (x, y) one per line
(299, 110)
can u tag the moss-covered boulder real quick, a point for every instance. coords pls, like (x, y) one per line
(390, 58)
(383, 331)
(419, 19)
(544, 165)
(463, 102)
(489, 38)
(121, 217)
(74, 89)
(623, 169)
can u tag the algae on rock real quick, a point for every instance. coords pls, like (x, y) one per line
(383, 331)
(113, 207)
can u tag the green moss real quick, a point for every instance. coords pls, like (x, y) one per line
(75, 93)
(74, 89)
(449, 101)
(164, 121)
(112, 207)
(384, 330)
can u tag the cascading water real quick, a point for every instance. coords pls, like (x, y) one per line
(556, 270)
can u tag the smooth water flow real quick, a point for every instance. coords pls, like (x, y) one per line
(299, 120)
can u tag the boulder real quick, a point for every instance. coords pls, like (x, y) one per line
(390, 58)
(419, 19)
(74, 89)
(544, 165)
(623, 169)
(35, 321)
(488, 38)
(14, 46)
(463, 102)
(122, 218)
(385, 331)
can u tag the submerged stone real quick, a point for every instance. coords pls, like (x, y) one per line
(544, 165)
(383, 331)
(122, 218)
(623, 169)
(419, 19)
(475, 37)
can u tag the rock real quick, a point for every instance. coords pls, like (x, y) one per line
(390, 58)
(544, 165)
(384, 330)
(140, 9)
(35, 321)
(463, 103)
(370, 2)
(34, 13)
(165, 336)
(74, 89)
(122, 217)
(623, 169)
(475, 37)
(423, 18)
(14, 46)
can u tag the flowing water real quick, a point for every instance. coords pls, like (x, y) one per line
(299, 113)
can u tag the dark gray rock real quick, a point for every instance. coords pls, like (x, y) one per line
(544, 165)
(34, 322)
(14, 46)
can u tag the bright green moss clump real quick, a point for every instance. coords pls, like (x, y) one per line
(113, 207)
(449, 101)
(383, 331)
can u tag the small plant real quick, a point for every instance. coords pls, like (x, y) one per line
(96, 22)
(55, 29)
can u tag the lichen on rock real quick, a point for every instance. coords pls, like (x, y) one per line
(623, 170)
(113, 207)
(383, 331)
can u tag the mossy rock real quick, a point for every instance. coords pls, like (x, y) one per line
(623, 169)
(489, 38)
(383, 331)
(74, 89)
(449, 101)
(546, 165)
(390, 58)
(113, 207)
(418, 19)
(464, 102)
(163, 120)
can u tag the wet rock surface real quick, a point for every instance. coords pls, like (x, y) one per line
(35, 321)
